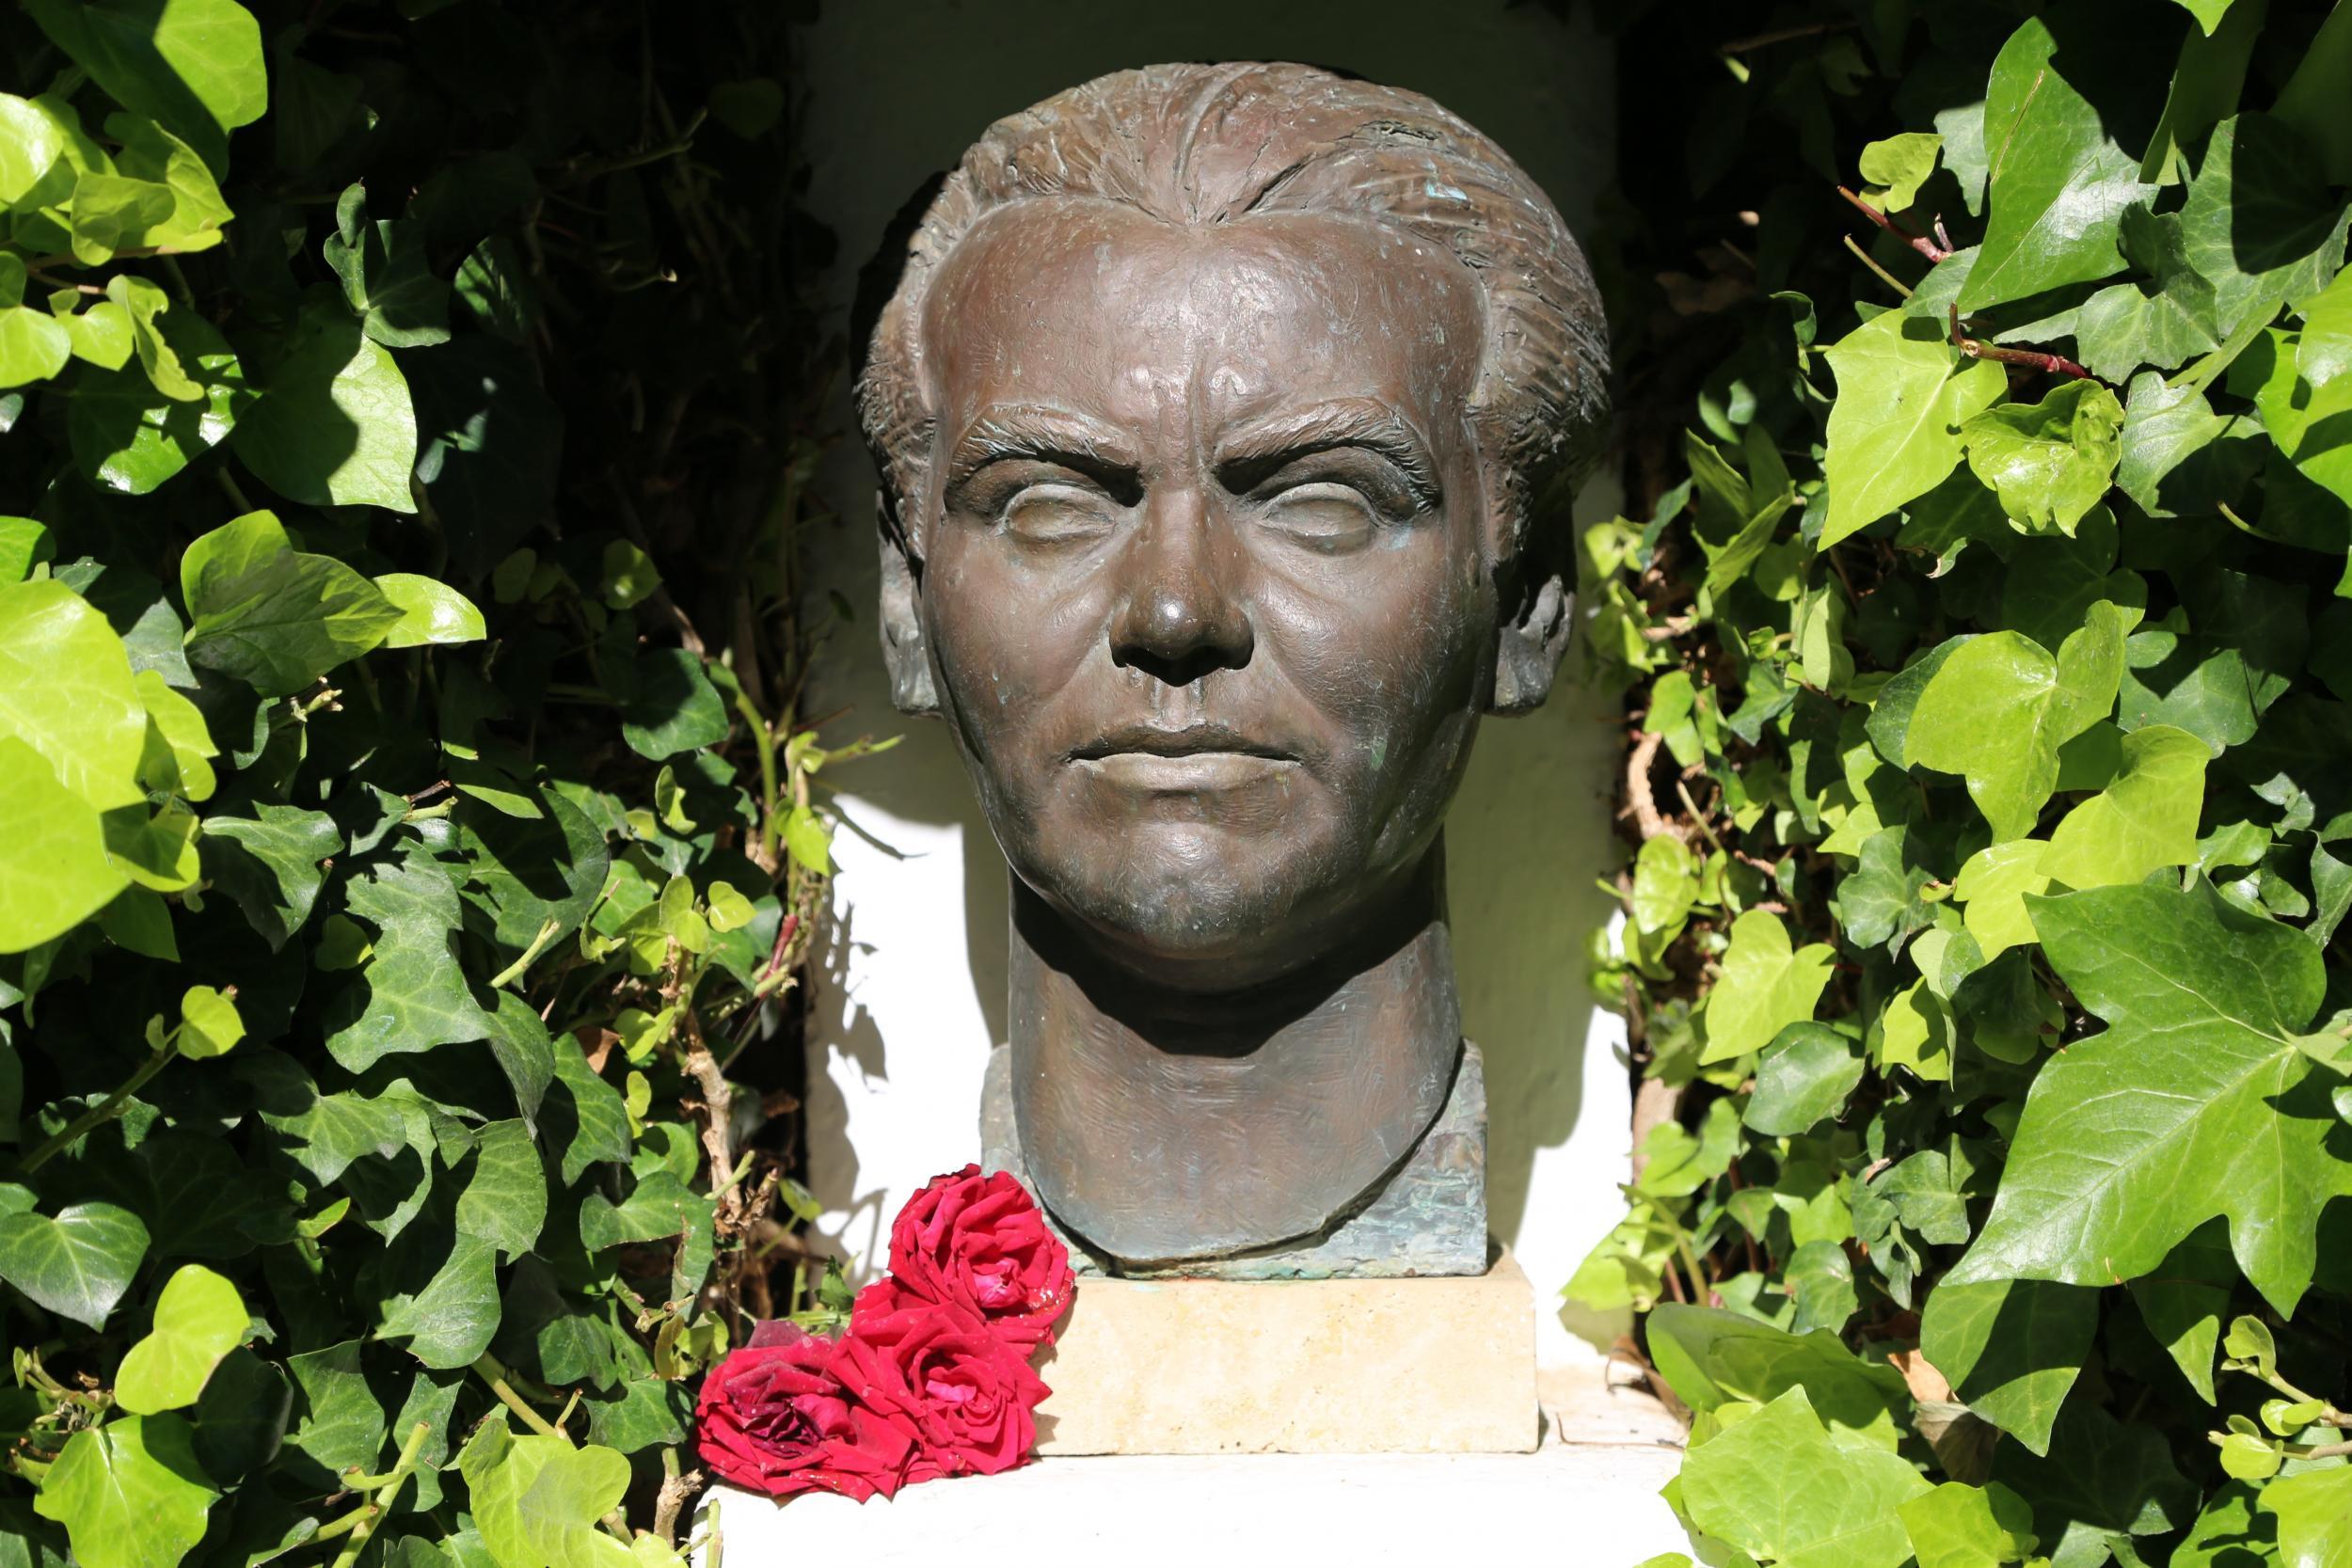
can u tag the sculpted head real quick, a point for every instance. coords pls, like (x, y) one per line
(1229, 417)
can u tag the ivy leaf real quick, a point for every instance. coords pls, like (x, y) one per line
(1821, 1276)
(1894, 432)
(335, 426)
(450, 1318)
(34, 345)
(1879, 901)
(127, 1493)
(583, 1115)
(2194, 1102)
(430, 612)
(343, 1421)
(2229, 1533)
(2260, 221)
(269, 862)
(675, 707)
(2314, 1510)
(326, 1132)
(2049, 462)
(1710, 1357)
(386, 279)
(1780, 1489)
(2121, 328)
(77, 1265)
(411, 995)
(1991, 889)
(55, 870)
(1998, 709)
(525, 873)
(198, 1318)
(196, 65)
(2056, 185)
(505, 1200)
(66, 690)
(129, 438)
(537, 1500)
(241, 1416)
(658, 1208)
(2011, 1349)
(2144, 818)
(1802, 1080)
(2102, 1483)
(2181, 1303)
(1895, 168)
(1957, 1525)
(525, 1055)
(1764, 988)
(193, 211)
(274, 616)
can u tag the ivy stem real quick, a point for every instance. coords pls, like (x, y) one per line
(348, 1523)
(493, 1372)
(1920, 243)
(111, 1107)
(1976, 348)
(765, 741)
(1885, 277)
(548, 933)
(394, 1479)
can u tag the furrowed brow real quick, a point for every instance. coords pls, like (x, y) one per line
(1013, 433)
(1363, 423)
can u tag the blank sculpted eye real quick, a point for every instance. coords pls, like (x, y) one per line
(1042, 502)
(1336, 500)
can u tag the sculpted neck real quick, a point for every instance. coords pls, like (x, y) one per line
(1161, 1124)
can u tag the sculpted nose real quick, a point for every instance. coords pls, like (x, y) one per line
(1178, 617)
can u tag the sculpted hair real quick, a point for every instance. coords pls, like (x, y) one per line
(1206, 144)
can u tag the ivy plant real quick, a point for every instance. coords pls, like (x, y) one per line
(410, 847)
(1984, 616)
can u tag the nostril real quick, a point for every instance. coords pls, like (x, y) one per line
(1177, 637)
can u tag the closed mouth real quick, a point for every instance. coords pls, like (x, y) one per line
(1191, 741)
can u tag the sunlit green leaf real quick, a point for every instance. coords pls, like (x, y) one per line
(199, 1320)
(128, 1493)
(1894, 432)
(2195, 1102)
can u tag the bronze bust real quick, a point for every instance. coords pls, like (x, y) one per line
(1228, 418)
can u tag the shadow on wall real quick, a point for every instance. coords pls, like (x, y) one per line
(913, 986)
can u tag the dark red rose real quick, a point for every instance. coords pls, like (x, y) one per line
(971, 1394)
(980, 1242)
(786, 1414)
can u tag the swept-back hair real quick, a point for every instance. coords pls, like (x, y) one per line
(1208, 144)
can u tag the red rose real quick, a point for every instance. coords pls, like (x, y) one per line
(972, 1395)
(786, 1414)
(980, 1242)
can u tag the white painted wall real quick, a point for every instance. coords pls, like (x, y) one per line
(912, 988)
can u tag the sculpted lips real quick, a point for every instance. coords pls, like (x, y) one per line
(1196, 758)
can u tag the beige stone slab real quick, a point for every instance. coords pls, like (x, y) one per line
(1587, 1496)
(1321, 1366)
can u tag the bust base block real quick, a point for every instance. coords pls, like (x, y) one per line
(1295, 1365)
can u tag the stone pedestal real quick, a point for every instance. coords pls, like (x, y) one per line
(1308, 1365)
(1588, 1495)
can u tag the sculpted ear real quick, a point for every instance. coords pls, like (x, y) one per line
(1529, 645)
(906, 652)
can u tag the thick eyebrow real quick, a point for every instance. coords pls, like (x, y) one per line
(1013, 432)
(1364, 423)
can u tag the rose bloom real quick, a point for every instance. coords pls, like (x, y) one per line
(980, 1242)
(787, 1413)
(971, 1395)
